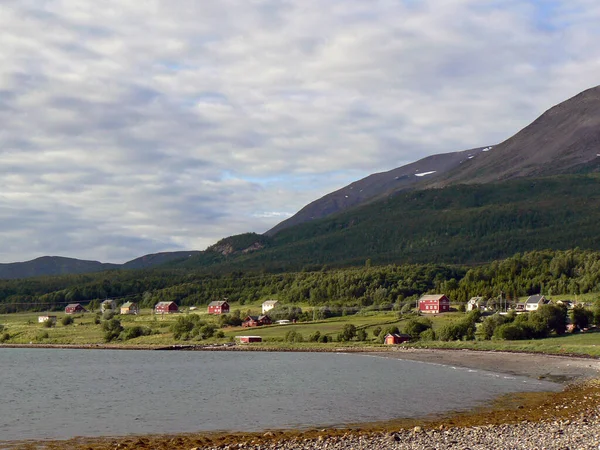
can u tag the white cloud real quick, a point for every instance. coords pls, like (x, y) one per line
(130, 127)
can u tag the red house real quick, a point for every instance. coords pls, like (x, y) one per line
(220, 307)
(434, 304)
(256, 321)
(74, 308)
(391, 339)
(165, 308)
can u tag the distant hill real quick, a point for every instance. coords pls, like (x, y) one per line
(58, 265)
(51, 265)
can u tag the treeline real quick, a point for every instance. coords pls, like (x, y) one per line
(384, 287)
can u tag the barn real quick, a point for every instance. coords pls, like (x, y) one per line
(391, 339)
(166, 308)
(434, 304)
(249, 339)
(218, 307)
(74, 308)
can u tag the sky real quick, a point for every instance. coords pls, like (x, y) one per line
(134, 126)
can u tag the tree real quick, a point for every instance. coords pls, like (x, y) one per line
(581, 317)
(67, 320)
(415, 327)
(376, 331)
(555, 317)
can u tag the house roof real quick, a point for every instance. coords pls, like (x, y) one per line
(107, 301)
(270, 302)
(217, 303)
(476, 299)
(399, 335)
(127, 305)
(536, 299)
(73, 305)
(263, 317)
(431, 297)
(165, 303)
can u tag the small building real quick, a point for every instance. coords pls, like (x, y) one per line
(166, 308)
(391, 339)
(249, 339)
(256, 321)
(475, 303)
(108, 305)
(535, 301)
(74, 308)
(520, 307)
(51, 319)
(130, 308)
(434, 304)
(269, 305)
(218, 307)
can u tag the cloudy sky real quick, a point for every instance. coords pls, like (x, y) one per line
(130, 127)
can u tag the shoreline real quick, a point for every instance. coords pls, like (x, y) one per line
(576, 405)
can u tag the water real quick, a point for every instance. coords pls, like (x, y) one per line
(65, 393)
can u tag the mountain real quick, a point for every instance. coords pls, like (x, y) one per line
(565, 139)
(157, 259)
(51, 265)
(378, 185)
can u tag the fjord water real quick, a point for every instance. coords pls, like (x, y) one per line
(65, 393)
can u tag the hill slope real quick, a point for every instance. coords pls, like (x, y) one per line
(51, 265)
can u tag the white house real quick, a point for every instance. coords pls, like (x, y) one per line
(475, 303)
(269, 305)
(534, 302)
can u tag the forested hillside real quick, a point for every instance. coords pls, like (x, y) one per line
(562, 272)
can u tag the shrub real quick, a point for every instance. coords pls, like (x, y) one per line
(361, 335)
(42, 335)
(315, 336)
(348, 332)
(187, 326)
(294, 336)
(489, 325)
(67, 320)
(510, 332)
(107, 315)
(427, 335)
(112, 329)
(463, 330)
(48, 324)
(415, 327)
(134, 332)
(207, 331)
(324, 338)
(219, 334)
(376, 331)
(4, 337)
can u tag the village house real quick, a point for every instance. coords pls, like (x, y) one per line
(130, 308)
(166, 308)
(51, 319)
(269, 305)
(534, 302)
(108, 305)
(256, 321)
(475, 303)
(74, 308)
(249, 339)
(218, 307)
(391, 339)
(434, 304)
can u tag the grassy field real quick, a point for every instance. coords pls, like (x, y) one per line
(23, 328)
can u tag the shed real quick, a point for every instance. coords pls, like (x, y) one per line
(249, 339)
(269, 305)
(218, 307)
(434, 304)
(74, 308)
(130, 308)
(51, 319)
(166, 308)
(391, 339)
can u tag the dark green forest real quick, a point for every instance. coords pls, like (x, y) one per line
(387, 286)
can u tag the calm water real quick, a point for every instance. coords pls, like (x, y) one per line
(66, 393)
